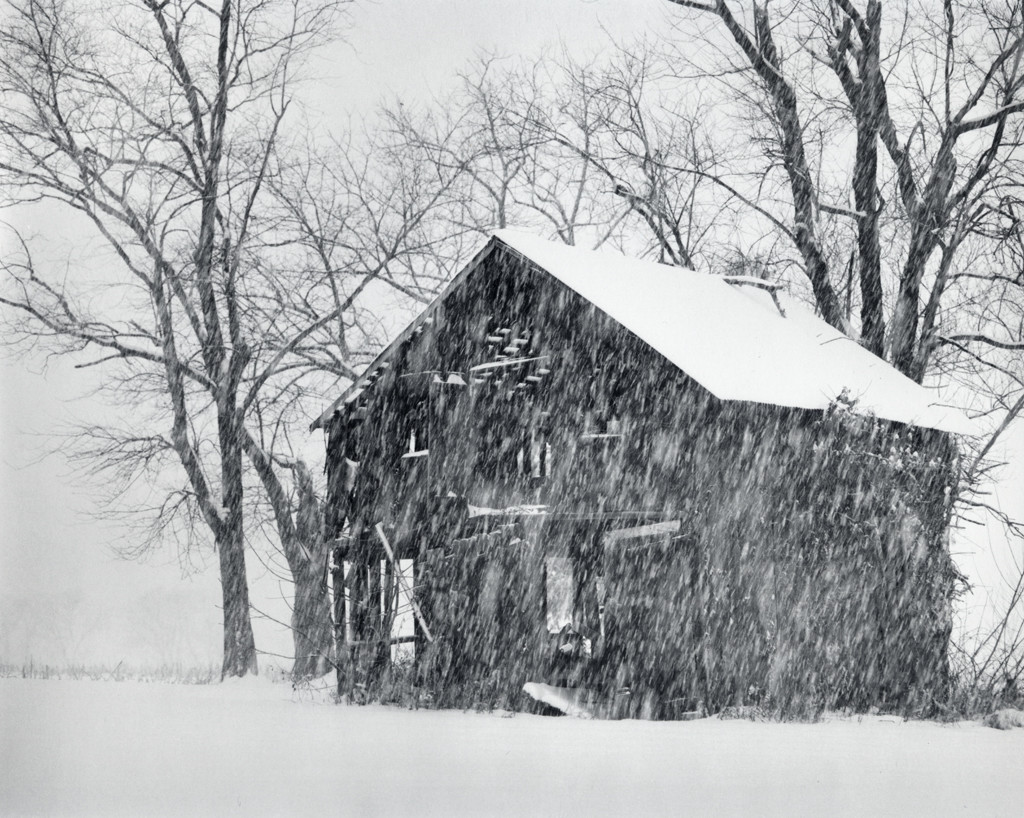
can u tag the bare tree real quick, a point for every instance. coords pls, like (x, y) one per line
(159, 125)
(609, 124)
(953, 83)
(586, 152)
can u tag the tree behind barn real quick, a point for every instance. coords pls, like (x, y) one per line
(932, 106)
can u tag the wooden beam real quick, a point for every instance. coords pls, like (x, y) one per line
(401, 580)
(651, 530)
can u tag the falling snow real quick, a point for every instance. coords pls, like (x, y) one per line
(645, 486)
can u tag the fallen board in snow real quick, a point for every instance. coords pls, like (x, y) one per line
(571, 701)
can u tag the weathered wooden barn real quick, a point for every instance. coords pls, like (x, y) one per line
(673, 490)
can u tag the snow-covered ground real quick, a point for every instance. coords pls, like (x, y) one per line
(256, 748)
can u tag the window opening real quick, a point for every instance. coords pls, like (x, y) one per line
(559, 591)
(418, 441)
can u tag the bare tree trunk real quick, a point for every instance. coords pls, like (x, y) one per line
(865, 186)
(311, 616)
(305, 549)
(928, 219)
(311, 625)
(763, 55)
(239, 645)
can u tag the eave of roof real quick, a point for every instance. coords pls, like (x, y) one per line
(385, 355)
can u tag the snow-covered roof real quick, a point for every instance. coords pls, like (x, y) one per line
(734, 341)
(728, 335)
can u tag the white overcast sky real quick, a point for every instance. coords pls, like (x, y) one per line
(89, 606)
